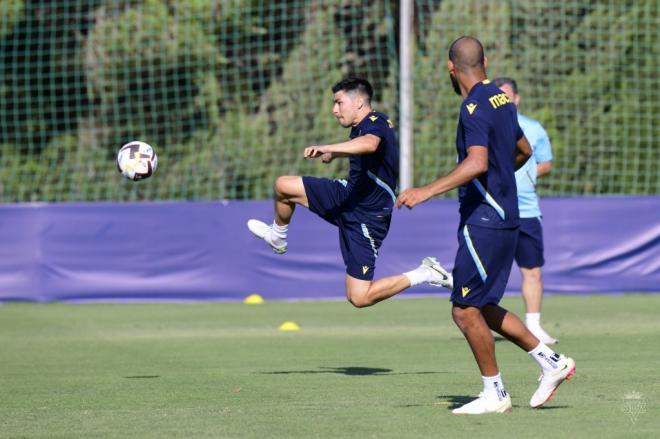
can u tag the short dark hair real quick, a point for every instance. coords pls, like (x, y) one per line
(502, 80)
(353, 83)
(467, 53)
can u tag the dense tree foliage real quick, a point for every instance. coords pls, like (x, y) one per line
(230, 92)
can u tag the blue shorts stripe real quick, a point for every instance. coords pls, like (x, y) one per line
(365, 232)
(473, 253)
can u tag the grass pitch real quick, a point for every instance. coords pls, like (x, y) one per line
(390, 371)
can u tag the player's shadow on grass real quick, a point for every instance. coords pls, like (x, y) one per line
(456, 401)
(142, 377)
(347, 370)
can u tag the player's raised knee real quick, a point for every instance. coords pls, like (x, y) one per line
(280, 184)
(288, 186)
(359, 299)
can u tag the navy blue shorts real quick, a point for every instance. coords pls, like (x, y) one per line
(483, 264)
(360, 234)
(529, 253)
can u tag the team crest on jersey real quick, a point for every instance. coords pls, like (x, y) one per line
(471, 107)
(373, 118)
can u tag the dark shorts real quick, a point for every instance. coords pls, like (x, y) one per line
(360, 234)
(483, 264)
(529, 253)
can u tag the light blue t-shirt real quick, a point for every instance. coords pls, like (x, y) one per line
(528, 202)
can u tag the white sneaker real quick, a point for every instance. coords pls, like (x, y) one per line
(440, 277)
(550, 380)
(543, 336)
(483, 405)
(263, 231)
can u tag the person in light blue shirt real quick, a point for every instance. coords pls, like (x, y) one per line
(529, 254)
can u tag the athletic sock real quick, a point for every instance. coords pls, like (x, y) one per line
(545, 357)
(419, 275)
(279, 233)
(533, 319)
(494, 387)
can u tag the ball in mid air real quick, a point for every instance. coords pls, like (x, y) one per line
(137, 160)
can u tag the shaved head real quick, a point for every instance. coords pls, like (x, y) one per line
(467, 53)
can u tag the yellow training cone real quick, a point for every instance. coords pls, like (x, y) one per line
(253, 299)
(289, 326)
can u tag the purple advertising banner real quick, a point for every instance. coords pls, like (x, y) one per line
(199, 251)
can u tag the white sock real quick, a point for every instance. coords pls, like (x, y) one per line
(546, 357)
(419, 275)
(279, 233)
(533, 319)
(494, 387)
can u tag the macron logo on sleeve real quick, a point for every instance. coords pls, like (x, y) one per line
(471, 107)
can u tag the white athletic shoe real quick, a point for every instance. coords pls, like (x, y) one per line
(483, 405)
(263, 231)
(543, 336)
(440, 277)
(550, 380)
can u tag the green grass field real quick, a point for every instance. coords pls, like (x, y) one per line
(390, 371)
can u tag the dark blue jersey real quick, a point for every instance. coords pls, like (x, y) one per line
(488, 118)
(372, 179)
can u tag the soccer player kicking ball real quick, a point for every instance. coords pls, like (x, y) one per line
(360, 206)
(490, 147)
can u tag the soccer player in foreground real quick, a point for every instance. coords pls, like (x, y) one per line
(529, 252)
(490, 146)
(360, 206)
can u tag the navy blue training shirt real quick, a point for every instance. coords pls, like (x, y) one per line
(489, 118)
(372, 178)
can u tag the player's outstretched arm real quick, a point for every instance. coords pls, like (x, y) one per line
(367, 144)
(475, 164)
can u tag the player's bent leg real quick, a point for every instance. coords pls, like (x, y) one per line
(509, 326)
(556, 368)
(362, 293)
(289, 191)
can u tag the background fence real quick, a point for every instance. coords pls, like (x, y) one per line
(229, 92)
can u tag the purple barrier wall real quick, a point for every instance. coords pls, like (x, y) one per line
(202, 251)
